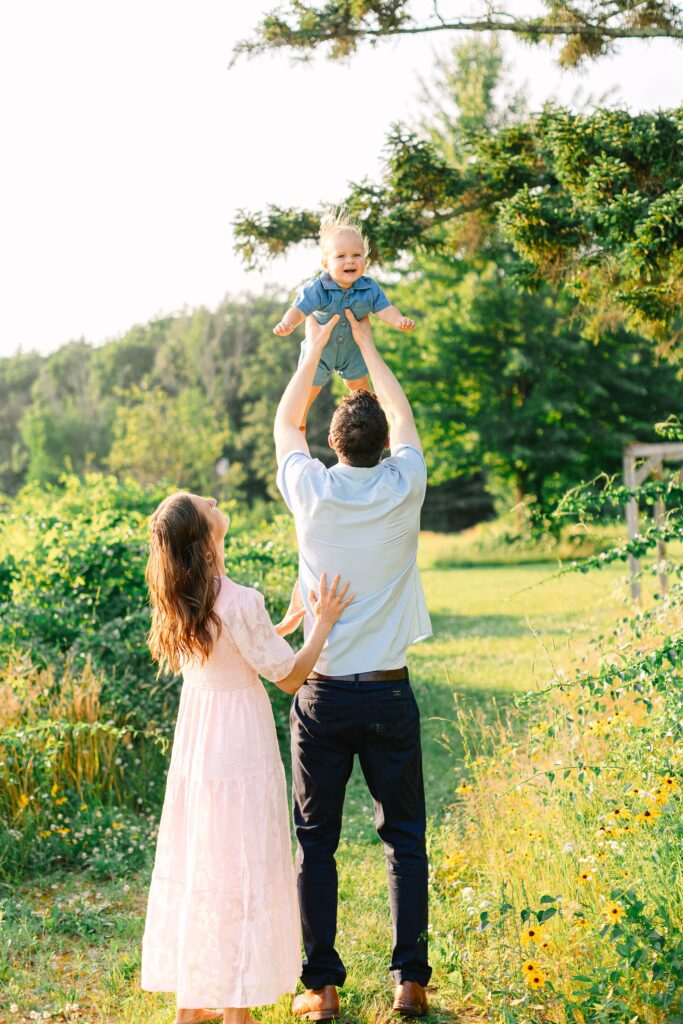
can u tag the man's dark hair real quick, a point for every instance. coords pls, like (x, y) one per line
(359, 429)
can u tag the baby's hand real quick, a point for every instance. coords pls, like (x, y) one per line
(404, 323)
(283, 329)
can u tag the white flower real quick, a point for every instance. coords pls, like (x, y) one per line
(13, 1008)
(484, 904)
(568, 848)
(467, 892)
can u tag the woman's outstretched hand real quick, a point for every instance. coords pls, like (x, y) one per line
(328, 605)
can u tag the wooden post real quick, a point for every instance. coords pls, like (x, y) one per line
(660, 519)
(632, 521)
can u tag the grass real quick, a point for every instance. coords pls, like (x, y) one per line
(71, 944)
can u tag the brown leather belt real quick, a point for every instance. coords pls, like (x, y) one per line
(363, 677)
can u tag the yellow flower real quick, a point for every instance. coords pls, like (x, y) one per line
(547, 945)
(614, 912)
(534, 933)
(670, 783)
(649, 815)
(536, 979)
(619, 813)
(116, 824)
(585, 877)
(530, 968)
(83, 807)
(54, 790)
(63, 831)
(661, 796)
(62, 800)
(463, 788)
(580, 922)
(24, 800)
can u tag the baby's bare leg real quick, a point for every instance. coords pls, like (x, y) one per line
(315, 391)
(358, 385)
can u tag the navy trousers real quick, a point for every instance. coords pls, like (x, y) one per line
(332, 721)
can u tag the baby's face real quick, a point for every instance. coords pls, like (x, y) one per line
(344, 257)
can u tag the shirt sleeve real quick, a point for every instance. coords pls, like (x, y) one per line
(308, 298)
(289, 475)
(409, 463)
(254, 636)
(379, 299)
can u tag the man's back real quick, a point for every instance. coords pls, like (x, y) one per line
(364, 524)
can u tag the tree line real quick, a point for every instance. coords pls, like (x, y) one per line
(520, 388)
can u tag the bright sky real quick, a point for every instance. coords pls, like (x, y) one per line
(129, 146)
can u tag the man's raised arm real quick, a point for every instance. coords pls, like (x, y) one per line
(292, 408)
(402, 429)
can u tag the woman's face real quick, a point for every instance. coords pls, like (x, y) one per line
(218, 521)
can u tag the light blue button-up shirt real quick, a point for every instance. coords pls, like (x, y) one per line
(324, 298)
(364, 524)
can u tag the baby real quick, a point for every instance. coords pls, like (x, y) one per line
(342, 285)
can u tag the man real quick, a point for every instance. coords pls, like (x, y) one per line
(359, 518)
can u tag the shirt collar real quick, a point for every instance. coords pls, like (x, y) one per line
(331, 285)
(355, 471)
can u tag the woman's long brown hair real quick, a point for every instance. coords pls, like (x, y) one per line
(181, 575)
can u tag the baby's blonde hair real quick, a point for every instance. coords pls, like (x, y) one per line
(334, 222)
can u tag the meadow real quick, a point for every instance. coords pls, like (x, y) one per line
(554, 810)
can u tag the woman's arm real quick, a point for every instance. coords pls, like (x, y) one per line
(294, 614)
(326, 609)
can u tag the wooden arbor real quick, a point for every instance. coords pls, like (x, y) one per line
(651, 458)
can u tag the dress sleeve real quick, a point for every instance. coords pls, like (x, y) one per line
(254, 635)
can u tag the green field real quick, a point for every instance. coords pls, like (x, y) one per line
(72, 944)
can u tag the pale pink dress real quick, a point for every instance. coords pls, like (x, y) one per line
(222, 920)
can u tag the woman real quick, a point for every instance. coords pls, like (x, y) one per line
(222, 921)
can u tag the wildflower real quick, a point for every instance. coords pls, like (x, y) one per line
(54, 790)
(580, 922)
(614, 912)
(463, 788)
(661, 796)
(63, 831)
(546, 945)
(62, 800)
(13, 1008)
(585, 877)
(116, 824)
(83, 807)
(536, 979)
(619, 813)
(670, 783)
(530, 968)
(534, 933)
(649, 815)
(24, 800)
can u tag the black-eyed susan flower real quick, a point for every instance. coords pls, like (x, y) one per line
(649, 815)
(533, 933)
(24, 800)
(580, 922)
(670, 783)
(585, 877)
(54, 791)
(536, 979)
(614, 912)
(464, 788)
(530, 967)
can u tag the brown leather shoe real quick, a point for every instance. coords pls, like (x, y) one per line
(317, 1004)
(410, 999)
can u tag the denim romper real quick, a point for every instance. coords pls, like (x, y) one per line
(323, 297)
